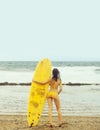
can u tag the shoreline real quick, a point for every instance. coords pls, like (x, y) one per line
(19, 122)
(46, 115)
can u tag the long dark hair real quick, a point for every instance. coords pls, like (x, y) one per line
(55, 74)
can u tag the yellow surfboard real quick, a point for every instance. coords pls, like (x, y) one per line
(37, 96)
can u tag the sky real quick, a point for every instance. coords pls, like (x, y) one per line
(63, 30)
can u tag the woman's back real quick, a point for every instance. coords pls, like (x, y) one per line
(54, 84)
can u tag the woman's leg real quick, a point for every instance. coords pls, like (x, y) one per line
(57, 103)
(50, 110)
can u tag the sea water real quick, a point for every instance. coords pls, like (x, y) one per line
(75, 100)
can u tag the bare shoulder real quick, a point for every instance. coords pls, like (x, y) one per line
(50, 80)
(59, 81)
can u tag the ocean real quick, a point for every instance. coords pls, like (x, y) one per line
(81, 87)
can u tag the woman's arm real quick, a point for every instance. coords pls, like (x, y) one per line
(60, 85)
(42, 83)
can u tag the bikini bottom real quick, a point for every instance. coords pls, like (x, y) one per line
(52, 94)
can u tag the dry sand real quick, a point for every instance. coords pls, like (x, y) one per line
(19, 122)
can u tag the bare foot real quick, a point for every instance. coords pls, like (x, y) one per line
(60, 124)
(52, 124)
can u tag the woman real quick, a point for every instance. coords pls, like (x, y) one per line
(52, 95)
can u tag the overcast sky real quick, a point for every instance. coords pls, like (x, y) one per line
(58, 29)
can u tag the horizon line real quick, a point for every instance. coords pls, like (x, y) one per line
(51, 60)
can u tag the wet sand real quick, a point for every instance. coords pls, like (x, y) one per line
(19, 122)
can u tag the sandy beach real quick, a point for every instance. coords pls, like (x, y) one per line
(19, 122)
(80, 98)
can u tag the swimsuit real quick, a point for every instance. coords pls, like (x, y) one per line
(52, 94)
